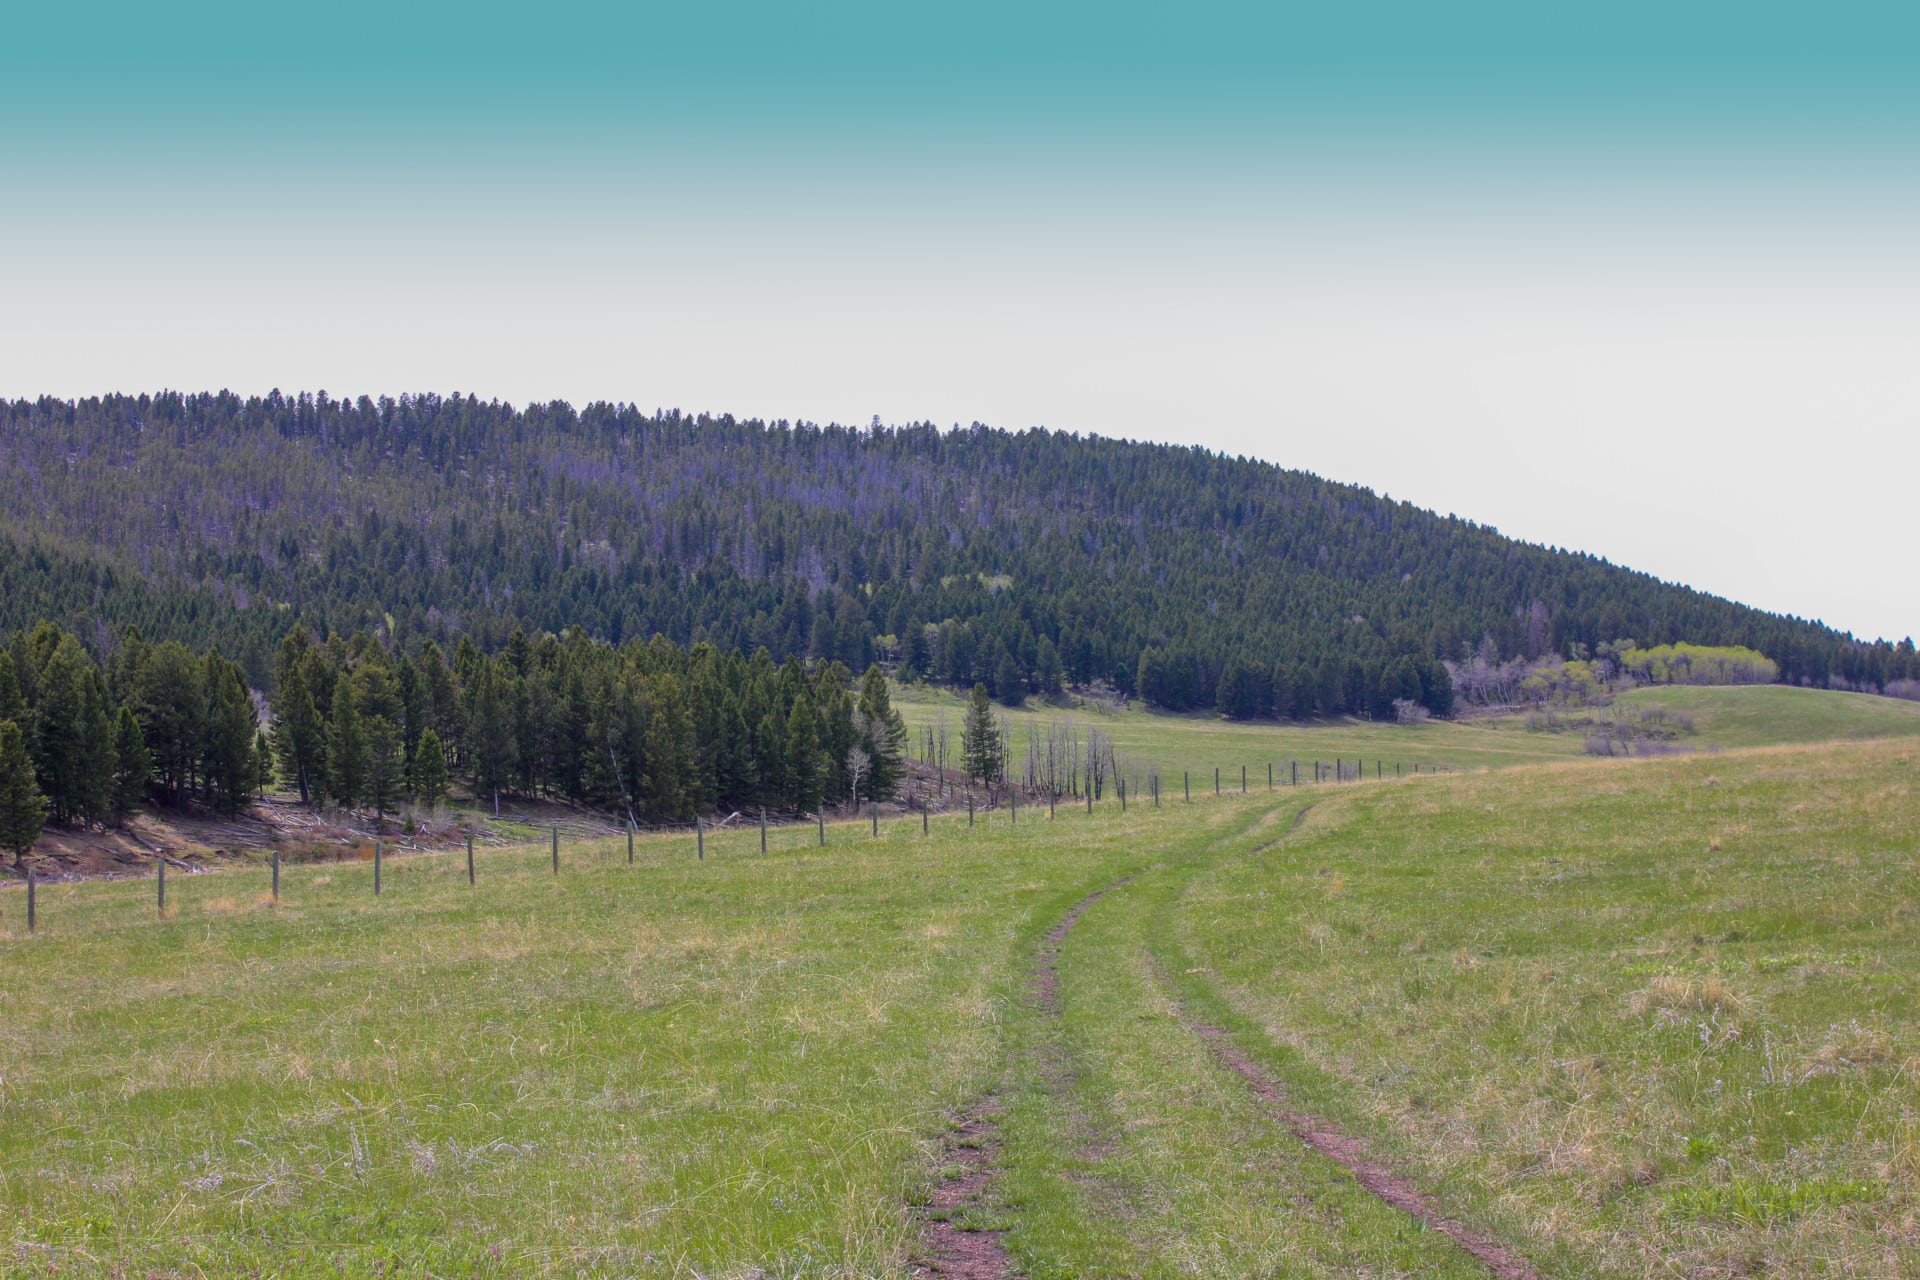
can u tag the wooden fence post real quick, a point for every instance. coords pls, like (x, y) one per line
(1013, 807)
(629, 841)
(469, 859)
(1293, 769)
(1156, 791)
(763, 831)
(33, 915)
(873, 811)
(1243, 779)
(377, 851)
(1269, 775)
(556, 849)
(820, 816)
(699, 837)
(276, 873)
(1186, 784)
(969, 810)
(923, 817)
(163, 884)
(1089, 795)
(1216, 780)
(1122, 784)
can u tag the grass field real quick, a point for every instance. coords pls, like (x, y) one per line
(1639, 1018)
(1725, 718)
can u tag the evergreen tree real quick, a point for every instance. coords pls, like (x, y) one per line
(170, 703)
(982, 750)
(72, 746)
(386, 765)
(429, 780)
(12, 705)
(228, 741)
(132, 765)
(803, 756)
(882, 734)
(23, 810)
(347, 762)
(1048, 674)
(262, 763)
(489, 719)
(1009, 685)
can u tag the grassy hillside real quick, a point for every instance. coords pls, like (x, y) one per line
(1628, 1018)
(1770, 715)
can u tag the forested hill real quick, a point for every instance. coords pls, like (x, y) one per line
(972, 554)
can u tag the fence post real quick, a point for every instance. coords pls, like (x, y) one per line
(1053, 798)
(1293, 770)
(873, 811)
(33, 916)
(820, 817)
(1089, 795)
(1186, 784)
(1156, 791)
(556, 849)
(276, 873)
(763, 831)
(1122, 784)
(629, 841)
(469, 859)
(969, 810)
(377, 851)
(1216, 780)
(923, 816)
(1243, 779)
(1269, 775)
(1013, 807)
(699, 837)
(163, 884)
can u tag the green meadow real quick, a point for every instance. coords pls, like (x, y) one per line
(1630, 1018)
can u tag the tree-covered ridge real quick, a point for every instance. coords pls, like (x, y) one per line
(1015, 559)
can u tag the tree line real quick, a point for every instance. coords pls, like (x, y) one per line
(650, 729)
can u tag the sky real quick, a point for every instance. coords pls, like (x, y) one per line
(1638, 279)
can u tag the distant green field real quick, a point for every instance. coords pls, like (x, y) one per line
(1771, 715)
(1724, 717)
(1634, 1018)
(1200, 743)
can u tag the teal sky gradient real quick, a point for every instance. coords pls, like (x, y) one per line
(1641, 279)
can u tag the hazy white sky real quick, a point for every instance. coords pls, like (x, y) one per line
(1669, 315)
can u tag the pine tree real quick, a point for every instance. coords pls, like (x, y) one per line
(299, 733)
(803, 756)
(429, 780)
(23, 810)
(262, 763)
(132, 765)
(489, 718)
(981, 746)
(882, 734)
(231, 727)
(386, 765)
(346, 749)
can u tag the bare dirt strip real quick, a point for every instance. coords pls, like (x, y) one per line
(953, 1252)
(1351, 1154)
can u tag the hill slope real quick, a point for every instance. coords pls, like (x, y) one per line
(973, 554)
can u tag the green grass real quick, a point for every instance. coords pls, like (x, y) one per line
(1637, 1018)
(1201, 742)
(1725, 718)
(1646, 1019)
(1773, 715)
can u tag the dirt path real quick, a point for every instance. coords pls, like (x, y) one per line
(952, 1252)
(1345, 1150)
